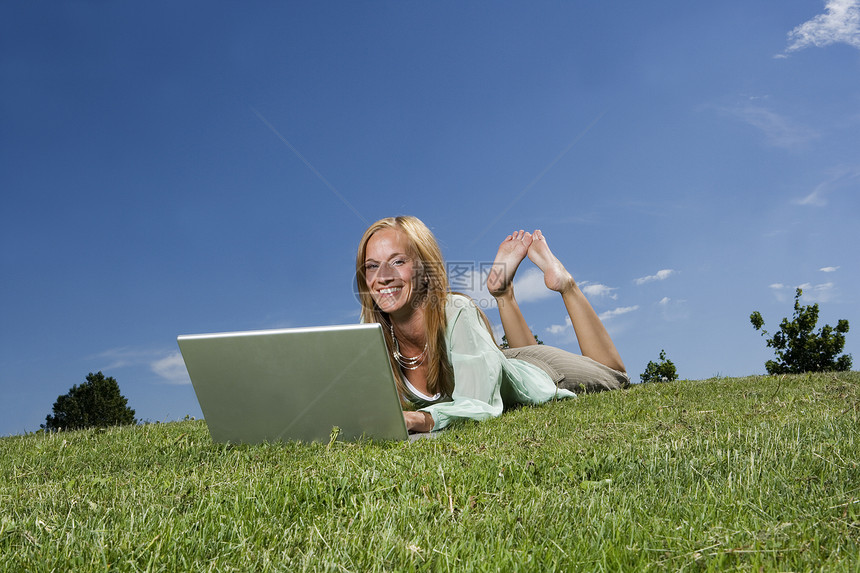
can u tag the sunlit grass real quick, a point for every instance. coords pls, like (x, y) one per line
(755, 473)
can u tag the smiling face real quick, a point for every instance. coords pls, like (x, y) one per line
(390, 271)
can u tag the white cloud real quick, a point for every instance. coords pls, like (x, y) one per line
(166, 364)
(778, 130)
(116, 358)
(560, 328)
(828, 269)
(816, 198)
(472, 283)
(530, 286)
(171, 368)
(824, 292)
(564, 332)
(498, 331)
(597, 290)
(782, 292)
(840, 178)
(660, 276)
(617, 312)
(672, 309)
(840, 24)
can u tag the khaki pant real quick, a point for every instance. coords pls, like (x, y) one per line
(570, 371)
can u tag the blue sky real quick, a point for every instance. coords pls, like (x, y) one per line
(172, 168)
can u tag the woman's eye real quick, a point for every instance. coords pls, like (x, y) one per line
(371, 266)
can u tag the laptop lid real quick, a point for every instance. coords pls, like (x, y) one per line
(295, 384)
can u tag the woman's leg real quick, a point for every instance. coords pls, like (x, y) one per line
(594, 340)
(511, 253)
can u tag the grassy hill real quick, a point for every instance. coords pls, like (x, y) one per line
(756, 473)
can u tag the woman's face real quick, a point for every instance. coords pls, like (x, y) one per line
(390, 271)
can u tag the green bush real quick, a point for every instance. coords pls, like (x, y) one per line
(95, 403)
(663, 371)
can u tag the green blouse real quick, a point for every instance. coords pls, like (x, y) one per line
(485, 380)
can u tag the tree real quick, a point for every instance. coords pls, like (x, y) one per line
(505, 344)
(95, 403)
(664, 371)
(798, 348)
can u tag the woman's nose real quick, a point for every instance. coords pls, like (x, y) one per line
(384, 272)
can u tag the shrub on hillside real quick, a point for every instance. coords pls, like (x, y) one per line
(663, 371)
(95, 403)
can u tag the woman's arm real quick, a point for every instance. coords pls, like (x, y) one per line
(477, 367)
(418, 421)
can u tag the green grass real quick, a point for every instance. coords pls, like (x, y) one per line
(755, 473)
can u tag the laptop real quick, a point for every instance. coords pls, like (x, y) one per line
(304, 384)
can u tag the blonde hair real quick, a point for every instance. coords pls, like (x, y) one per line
(431, 283)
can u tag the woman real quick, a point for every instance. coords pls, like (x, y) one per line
(443, 353)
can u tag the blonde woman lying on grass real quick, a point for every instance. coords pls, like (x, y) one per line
(447, 364)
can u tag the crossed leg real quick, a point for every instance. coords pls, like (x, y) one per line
(594, 340)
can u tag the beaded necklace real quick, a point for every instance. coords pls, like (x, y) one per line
(407, 362)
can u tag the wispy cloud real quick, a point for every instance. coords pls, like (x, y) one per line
(828, 269)
(778, 130)
(782, 292)
(171, 368)
(814, 199)
(596, 290)
(840, 24)
(824, 292)
(661, 275)
(565, 333)
(672, 310)
(123, 357)
(617, 312)
(168, 365)
(840, 178)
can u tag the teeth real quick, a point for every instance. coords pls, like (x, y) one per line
(389, 290)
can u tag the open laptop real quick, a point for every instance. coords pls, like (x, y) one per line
(295, 384)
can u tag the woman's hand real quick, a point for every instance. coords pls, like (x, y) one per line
(418, 421)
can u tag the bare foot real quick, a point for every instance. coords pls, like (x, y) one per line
(511, 253)
(555, 275)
